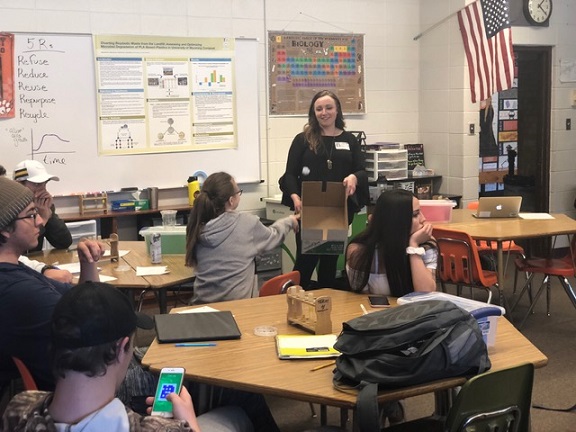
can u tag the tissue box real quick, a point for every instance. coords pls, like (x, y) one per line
(141, 204)
(486, 314)
(173, 239)
(324, 219)
(437, 210)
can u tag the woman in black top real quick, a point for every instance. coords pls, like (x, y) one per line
(324, 151)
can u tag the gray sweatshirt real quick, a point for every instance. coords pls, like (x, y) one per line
(225, 252)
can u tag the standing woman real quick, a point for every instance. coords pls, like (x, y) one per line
(324, 151)
(396, 254)
(222, 243)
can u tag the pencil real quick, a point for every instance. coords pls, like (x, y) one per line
(325, 365)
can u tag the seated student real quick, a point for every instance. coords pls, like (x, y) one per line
(396, 253)
(50, 271)
(33, 175)
(28, 297)
(93, 329)
(222, 243)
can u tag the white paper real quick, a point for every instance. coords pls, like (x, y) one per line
(199, 310)
(71, 267)
(104, 278)
(536, 216)
(120, 252)
(151, 271)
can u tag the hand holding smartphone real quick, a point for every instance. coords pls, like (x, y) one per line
(170, 382)
(378, 301)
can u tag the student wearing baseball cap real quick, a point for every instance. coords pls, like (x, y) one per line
(93, 328)
(33, 175)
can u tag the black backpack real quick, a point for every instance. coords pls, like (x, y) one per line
(406, 345)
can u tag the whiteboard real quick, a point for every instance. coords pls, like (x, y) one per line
(56, 122)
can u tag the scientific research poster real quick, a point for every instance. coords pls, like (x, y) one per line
(164, 94)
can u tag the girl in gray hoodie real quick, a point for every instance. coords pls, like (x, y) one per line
(222, 243)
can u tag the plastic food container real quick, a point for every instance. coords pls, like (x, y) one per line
(437, 210)
(173, 238)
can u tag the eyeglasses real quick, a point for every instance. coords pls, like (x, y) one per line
(30, 216)
(239, 192)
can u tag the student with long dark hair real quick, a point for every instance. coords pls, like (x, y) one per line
(222, 243)
(396, 253)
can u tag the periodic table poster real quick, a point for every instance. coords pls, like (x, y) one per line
(302, 64)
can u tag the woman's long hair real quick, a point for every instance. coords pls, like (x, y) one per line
(210, 203)
(312, 129)
(388, 232)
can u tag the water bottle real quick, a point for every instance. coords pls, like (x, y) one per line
(156, 248)
(193, 189)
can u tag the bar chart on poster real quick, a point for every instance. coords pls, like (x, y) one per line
(56, 122)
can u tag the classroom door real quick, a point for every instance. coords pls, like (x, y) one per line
(534, 100)
(521, 127)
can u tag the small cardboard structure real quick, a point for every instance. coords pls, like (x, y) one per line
(324, 219)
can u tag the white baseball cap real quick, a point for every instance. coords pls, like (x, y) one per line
(33, 171)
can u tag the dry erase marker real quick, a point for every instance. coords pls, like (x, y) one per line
(196, 344)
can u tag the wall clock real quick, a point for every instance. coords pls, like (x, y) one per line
(538, 12)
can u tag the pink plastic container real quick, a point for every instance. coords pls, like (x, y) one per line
(437, 210)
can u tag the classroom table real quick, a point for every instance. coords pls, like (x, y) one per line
(125, 269)
(251, 362)
(178, 272)
(502, 229)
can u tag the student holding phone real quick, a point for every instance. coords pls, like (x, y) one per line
(93, 329)
(396, 253)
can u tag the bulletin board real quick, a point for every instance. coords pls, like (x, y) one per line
(302, 64)
(55, 122)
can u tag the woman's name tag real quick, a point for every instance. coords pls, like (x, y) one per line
(341, 146)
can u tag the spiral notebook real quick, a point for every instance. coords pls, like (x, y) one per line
(196, 327)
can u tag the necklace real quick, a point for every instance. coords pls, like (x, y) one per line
(329, 160)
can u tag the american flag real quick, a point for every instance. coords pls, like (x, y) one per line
(487, 37)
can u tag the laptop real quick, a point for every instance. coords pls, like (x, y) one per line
(195, 327)
(498, 207)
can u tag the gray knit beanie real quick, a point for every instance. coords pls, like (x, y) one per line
(14, 197)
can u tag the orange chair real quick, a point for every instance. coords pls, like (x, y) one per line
(489, 247)
(27, 378)
(279, 284)
(459, 262)
(562, 268)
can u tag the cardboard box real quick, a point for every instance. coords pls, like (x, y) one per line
(324, 219)
(172, 239)
(122, 205)
(141, 204)
(437, 210)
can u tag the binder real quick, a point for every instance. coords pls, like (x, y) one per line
(196, 327)
(306, 346)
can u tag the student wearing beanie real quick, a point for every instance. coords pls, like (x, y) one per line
(34, 176)
(50, 271)
(28, 297)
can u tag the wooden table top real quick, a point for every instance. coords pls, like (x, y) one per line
(125, 269)
(509, 228)
(138, 256)
(125, 275)
(251, 363)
